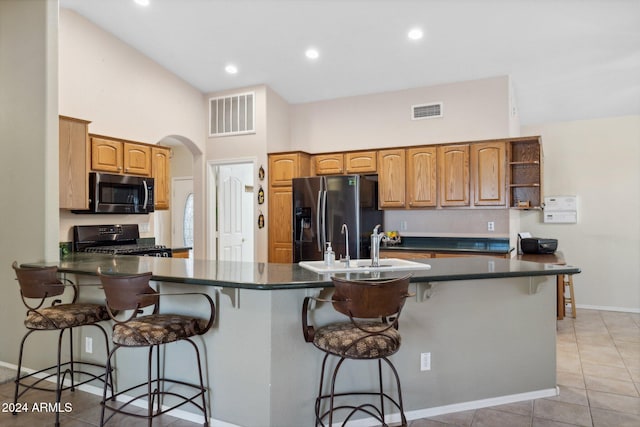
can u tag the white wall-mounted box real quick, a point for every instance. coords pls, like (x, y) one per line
(561, 203)
(561, 217)
(561, 209)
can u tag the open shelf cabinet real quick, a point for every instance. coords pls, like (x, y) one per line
(525, 173)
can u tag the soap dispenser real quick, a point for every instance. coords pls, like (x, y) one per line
(329, 255)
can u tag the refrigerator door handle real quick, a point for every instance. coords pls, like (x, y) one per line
(318, 209)
(324, 219)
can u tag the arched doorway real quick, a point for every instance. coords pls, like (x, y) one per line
(182, 224)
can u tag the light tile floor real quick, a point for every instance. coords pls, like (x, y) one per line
(598, 373)
(598, 362)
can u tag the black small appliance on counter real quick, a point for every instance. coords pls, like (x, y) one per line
(537, 245)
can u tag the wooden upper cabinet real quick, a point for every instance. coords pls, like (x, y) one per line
(391, 178)
(137, 159)
(284, 167)
(453, 169)
(120, 157)
(525, 172)
(488, 162)
(328, 164)
(422, 177)
(106, 155)
(361, 161)
(161, 161)
(73, 163)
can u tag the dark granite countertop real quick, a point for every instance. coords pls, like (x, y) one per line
(272, 276)
(453, 244)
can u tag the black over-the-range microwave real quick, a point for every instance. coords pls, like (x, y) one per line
(119, 194)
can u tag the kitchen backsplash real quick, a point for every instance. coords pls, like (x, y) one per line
(467, 222)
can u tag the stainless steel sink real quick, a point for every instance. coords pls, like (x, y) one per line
(363, 266)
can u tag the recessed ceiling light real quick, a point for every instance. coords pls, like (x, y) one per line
(231, 69)
(142, 2)
(415, 34)
(312, 53)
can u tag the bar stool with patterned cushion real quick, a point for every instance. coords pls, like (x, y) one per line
(371, 333)
(42, 283)
(131, 294)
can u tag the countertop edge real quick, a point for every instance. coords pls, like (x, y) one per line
(420, 276)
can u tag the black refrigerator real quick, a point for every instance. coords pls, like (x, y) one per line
(322, 204)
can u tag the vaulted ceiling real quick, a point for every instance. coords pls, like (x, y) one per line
(568, 59)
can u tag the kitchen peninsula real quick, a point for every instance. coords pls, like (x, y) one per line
(488, 323)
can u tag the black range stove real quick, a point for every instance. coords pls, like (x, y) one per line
(115, 240)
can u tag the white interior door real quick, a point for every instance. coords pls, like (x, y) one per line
(182, 212)
(235, 212)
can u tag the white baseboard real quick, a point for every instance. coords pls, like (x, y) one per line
(458, 407)
(88, 388)
(607, 308)
(364, 422)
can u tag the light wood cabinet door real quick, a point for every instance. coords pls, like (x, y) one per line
(137, 159)
(284, 167)
(106, 155)
(405, 254)
(73, 163)
(361, 162)
(391, 178)
(488, 161)
(468, 254)
(280, 225)
(328, 164)
(453, 171)
(161, 172)
(422, 177)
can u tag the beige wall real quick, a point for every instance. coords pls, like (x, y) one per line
(122, 92)
(125, 94)
(247, 148)
(472, 110)
(29, 162)
(598, 161)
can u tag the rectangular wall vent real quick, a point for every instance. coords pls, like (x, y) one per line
(232, 115)
(426, 111)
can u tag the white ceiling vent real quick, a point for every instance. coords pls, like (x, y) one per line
(232, 115)
(426, 111)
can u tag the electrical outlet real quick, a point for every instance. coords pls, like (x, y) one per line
(425, 361)
(88, 345)
(403, 226)
(491, 226)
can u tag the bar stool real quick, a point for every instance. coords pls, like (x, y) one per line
(568, 283)
(43, 283)
(373, 308)
(132, 293)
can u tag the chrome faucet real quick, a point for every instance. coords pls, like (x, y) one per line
(376, 238)
(345, 231)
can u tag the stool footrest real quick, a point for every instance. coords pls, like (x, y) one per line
(373, 412)
(39, 379)
(120, 409)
